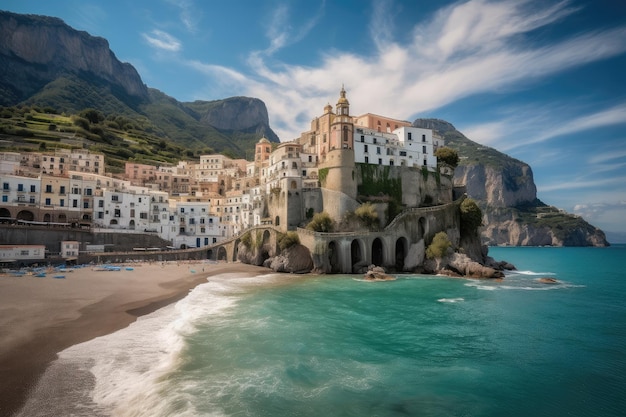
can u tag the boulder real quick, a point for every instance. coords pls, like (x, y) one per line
(463, 265)
(295, 259)
(377, 273)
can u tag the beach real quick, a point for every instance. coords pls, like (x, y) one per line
(40, 317)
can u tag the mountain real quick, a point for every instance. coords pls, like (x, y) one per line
(46, 63)
(505, 190)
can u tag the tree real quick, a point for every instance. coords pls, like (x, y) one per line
(471, 217)
(439, 246)
(448, 156)
(93, 115)
(321, 222)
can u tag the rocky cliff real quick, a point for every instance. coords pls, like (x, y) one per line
(505, 190)
(46, 63)
(36, 50)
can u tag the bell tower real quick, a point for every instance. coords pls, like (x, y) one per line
(342, 129)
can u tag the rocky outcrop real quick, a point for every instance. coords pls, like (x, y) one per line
(377, 273)
(236, 113)
(460, 265)
(505, 190)
(295, 259)
(36, 50)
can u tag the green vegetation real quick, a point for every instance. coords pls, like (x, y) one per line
(439, 246)
(367, 215)
(288, 240)
(377, 181)
(471, 217)
(246, 239)
(323, 173)
(321, 222)
(447, 156)
(118, 137)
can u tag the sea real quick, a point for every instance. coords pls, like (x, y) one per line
(336, 345)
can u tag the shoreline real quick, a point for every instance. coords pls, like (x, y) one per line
(40, 317)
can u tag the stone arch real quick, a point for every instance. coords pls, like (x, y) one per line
(209, 254)
(356, 254)
(378, 257)
(294, 185)
(113, 222)
(236, 250)
(5, 213)
(265, 246)
(25, 215)
(222, 254)
(334, 257)
(62, 218)
(422, 227)
(47, 217)
(402, 249)
(131, 225)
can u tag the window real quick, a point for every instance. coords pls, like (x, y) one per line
(32, 188)
(367, 159)
(100, 203)
(423, 149)
(32, 200)
(365, 148)
(48, 188)
(74, 203)
(48, 203)
(378, 150)
(88, 191)
(114, 198)
(374, 140)
(117, 213)
(409, 136)
(132, 213)
(402, 153)
(20, 187)
(423, 138)
(86, 204)
(5, 198)
(380, 161)
(362, 138)
(62, 202)
(62, 189)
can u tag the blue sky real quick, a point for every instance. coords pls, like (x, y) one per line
(543, 81)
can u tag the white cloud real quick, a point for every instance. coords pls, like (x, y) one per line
(189, 14)
(162, 40)
(582, 183)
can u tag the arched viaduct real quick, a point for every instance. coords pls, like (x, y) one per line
(400, 245)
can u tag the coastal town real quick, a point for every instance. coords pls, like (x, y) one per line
(197, 204)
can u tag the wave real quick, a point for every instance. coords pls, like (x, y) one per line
(451, 300)
(127, 372)
(528, 273)
(523, 286)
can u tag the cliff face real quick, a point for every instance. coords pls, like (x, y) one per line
(35, 50)
(505, 190)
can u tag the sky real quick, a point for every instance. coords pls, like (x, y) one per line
(543, 81)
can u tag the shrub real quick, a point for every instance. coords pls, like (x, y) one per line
(439, 246)
(367, 214)
(321, 222)
(448, 156)
(471, 216)
(288, 240)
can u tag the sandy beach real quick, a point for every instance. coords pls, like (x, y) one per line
(40, 317)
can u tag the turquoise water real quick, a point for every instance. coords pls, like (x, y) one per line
(340, 346)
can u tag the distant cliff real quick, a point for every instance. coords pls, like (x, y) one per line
(36, 50)
(505, 190)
